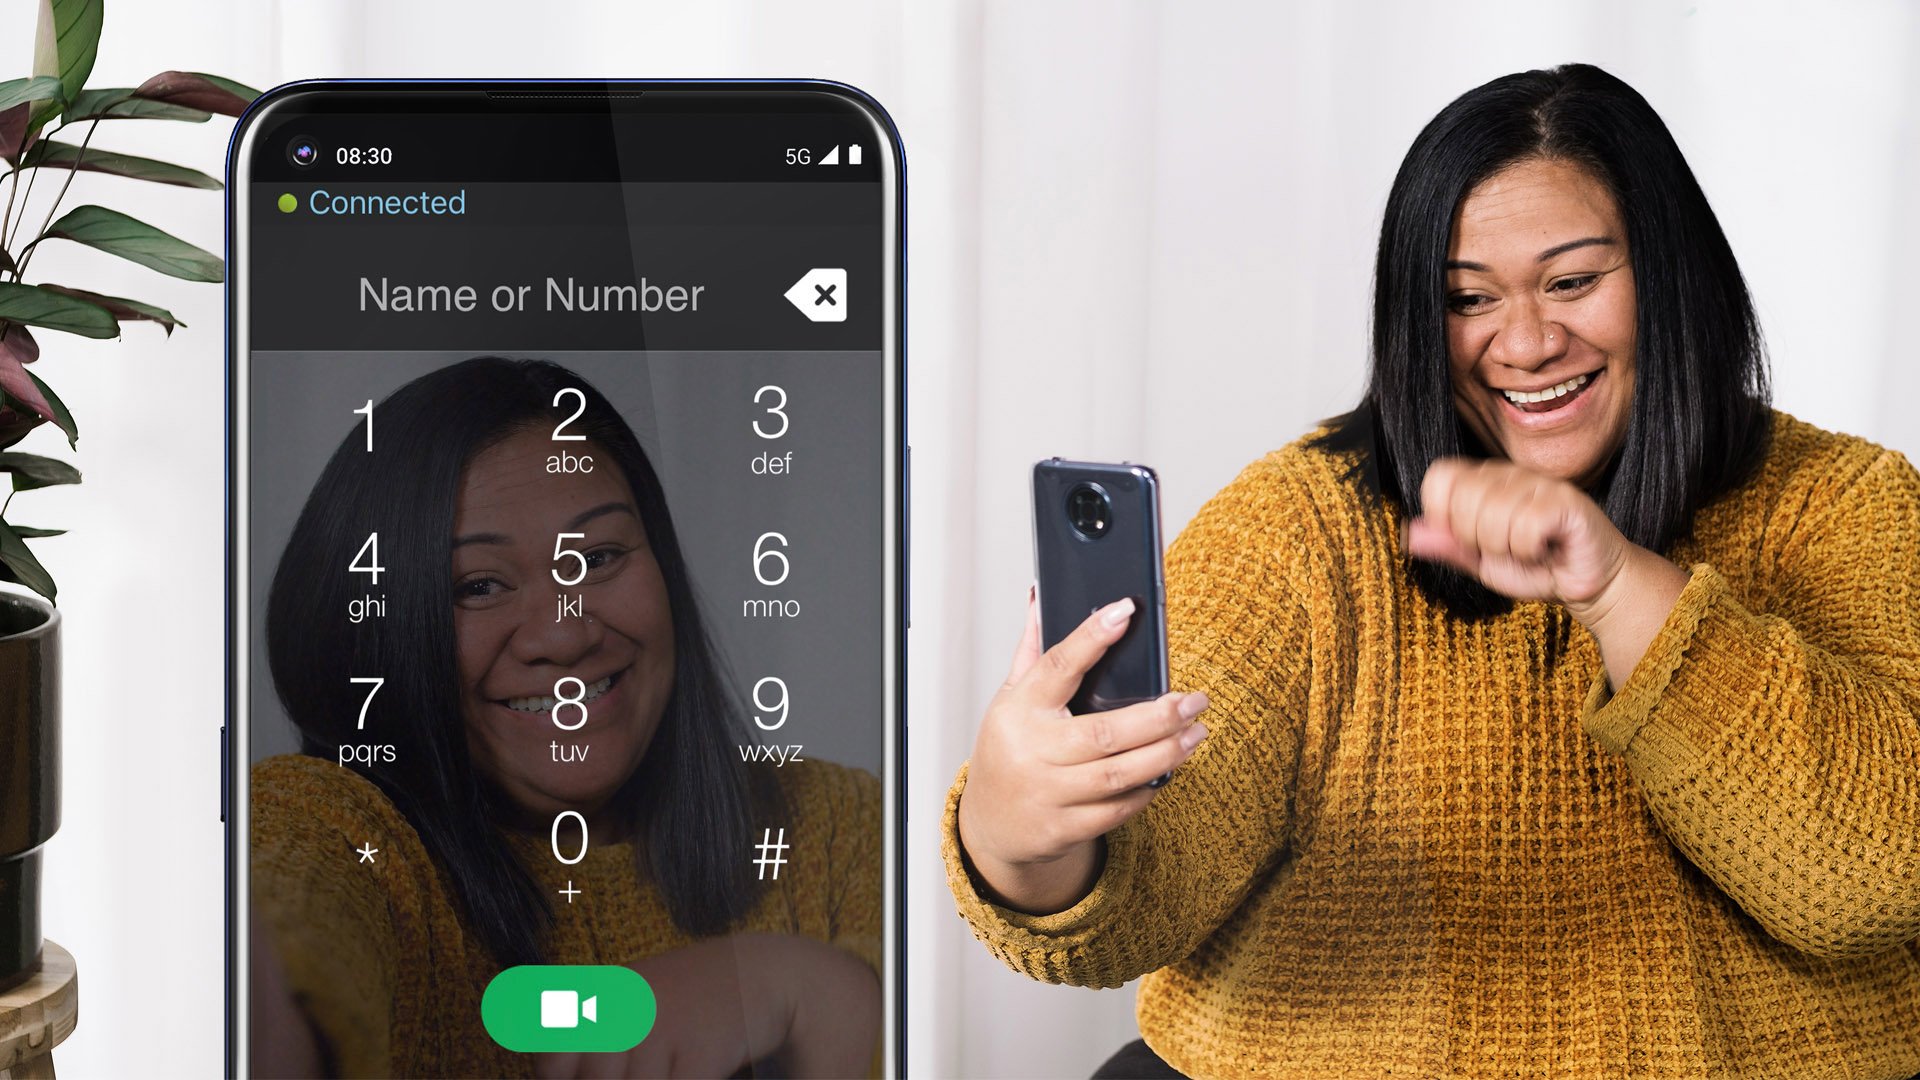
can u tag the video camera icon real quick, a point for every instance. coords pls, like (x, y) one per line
(821, 295)
(568, 1020)
(564, 1009)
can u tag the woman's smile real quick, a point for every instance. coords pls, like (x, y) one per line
(1560, 404)
(1548, 400)
(544, 703)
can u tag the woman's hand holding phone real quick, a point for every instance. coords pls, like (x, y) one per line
(1044, 785)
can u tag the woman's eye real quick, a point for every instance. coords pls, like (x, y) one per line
(477, 588)
(602, 561)
(1466, 303)
(1573, 284)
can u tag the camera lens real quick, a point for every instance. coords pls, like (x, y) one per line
(1089, 511)
(303, 151)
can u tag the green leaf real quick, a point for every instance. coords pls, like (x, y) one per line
(57, 155)
(30, 532)
(35, 306)
(123, 309)
(37, 88)
(66, 44)
(21, 565)
(119, 102)
(197, 90)
(115, 233)
(61, 417)
(33, 471)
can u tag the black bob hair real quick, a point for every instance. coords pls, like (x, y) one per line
(691, 806)
(1700, 416)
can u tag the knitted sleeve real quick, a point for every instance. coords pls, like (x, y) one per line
(1779, 749)
(324, 906)
(1237, 630)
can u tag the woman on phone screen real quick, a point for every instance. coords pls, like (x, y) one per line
(481, 845)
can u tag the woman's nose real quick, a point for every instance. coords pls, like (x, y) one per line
(556, 631)
(1528, 340)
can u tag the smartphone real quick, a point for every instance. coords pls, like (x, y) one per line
(566, 578)
(1096, 539)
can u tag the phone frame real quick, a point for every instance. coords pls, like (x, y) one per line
(234, 741)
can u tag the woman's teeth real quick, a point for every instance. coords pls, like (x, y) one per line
(1571, 385)
(546, 704)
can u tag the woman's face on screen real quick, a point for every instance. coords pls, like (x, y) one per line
(519, 633)
(1540, 318)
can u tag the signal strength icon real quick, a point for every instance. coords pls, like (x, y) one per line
(832, 158)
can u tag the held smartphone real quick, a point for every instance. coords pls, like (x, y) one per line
(1096, 539)
(566, 578)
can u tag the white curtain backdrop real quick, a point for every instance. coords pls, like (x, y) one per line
(1137, 231)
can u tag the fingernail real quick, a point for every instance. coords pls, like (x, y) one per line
(1191, 737)
(1192, 705)
(1117, 613)
(1033, 591)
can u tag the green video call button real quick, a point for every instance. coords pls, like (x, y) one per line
(555, 1008)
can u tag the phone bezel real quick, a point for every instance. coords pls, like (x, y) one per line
(234, 742)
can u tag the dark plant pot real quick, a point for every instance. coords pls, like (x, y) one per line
(29, 771)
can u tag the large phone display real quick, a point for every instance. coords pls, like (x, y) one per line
(567, 589)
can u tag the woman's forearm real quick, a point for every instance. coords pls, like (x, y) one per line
(1038, 888)
(1781, 757)
(1627, 615)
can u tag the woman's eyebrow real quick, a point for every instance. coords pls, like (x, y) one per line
(1555, 250)
(1562, 249)
(600, 511)
(578, 520)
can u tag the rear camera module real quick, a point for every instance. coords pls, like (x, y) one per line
(1089, 511)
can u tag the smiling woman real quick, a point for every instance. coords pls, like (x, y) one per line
(1559, 701)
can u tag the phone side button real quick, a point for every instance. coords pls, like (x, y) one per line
(223, 774)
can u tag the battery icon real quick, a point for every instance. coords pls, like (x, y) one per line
(853, 153)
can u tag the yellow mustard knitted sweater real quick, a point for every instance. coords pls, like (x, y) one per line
(379, 958)
(1424, 847)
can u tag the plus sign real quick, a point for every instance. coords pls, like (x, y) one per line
(569, 892)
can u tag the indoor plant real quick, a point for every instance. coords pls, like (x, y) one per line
(47, 126)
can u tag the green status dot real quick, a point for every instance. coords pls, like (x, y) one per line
(288, 204)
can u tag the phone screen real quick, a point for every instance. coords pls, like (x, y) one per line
(566, 588)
